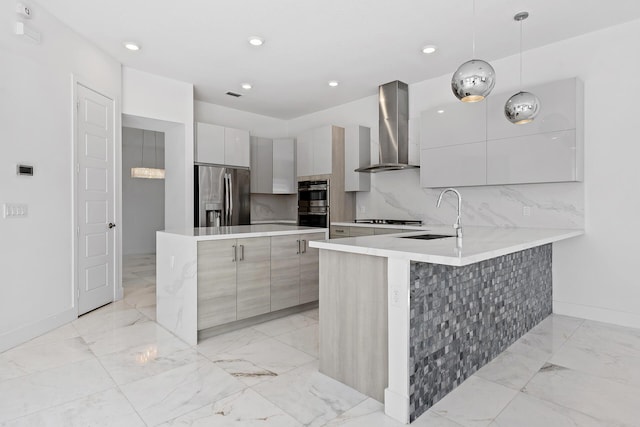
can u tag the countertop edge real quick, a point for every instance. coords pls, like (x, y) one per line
(248, 234)
(396, 226)
(457, 261)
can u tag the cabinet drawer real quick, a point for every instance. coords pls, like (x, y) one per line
(336, 232)
(361, 231)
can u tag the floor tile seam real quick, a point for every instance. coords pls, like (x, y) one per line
(315, 356)
(567, 407)
(598, 376)
(554, 403)
(446, 418)
(121, 391)
(292, 415)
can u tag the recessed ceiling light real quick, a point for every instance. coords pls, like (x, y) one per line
(256, 41)
(131, 46)
(333, 83)
(429, 49)
(246, 86)
(440, 111)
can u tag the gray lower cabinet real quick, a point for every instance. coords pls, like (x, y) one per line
(294, 270)
(309, 267)
(216, 282)
(285, 271)
(242, 278)
(233, 280)
(253, 277)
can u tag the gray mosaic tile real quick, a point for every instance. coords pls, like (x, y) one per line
(463, 317)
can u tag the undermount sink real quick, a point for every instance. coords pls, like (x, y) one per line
(426, 236)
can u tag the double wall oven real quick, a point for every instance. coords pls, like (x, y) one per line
(313, 203)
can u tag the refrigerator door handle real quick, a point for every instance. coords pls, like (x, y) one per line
(226, 199)
(230, 199)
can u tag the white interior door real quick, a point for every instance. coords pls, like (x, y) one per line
(95, 200)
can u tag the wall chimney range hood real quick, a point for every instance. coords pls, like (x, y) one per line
(393, 128)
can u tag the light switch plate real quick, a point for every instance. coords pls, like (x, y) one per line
(15, 210)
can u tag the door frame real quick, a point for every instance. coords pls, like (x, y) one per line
(117, 187)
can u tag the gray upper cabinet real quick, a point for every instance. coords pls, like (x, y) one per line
(314, 149)
(273, 165)
(453, 124)
(357, 153)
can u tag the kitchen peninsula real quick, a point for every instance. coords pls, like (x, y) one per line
(406, 320)
(214, 279)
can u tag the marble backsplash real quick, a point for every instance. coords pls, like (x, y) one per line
(265, 207)
(398, 195)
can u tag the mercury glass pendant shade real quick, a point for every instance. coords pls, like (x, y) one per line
(473, 81)
(522, 108)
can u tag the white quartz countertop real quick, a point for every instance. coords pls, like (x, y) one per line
(242, 231)
(398, 226)
(478, 244)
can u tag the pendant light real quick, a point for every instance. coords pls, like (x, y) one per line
(473, 80)
(522, 107)
(149, 173)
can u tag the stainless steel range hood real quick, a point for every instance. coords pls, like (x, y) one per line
(393, 128)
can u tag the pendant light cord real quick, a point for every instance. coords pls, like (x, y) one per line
(473, 31)
(521, 54)
(142, 162)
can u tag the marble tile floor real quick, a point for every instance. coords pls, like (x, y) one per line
(116, 367)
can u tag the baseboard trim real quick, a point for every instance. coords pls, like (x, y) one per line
(598, 314)
(30, 331)
(396, 406)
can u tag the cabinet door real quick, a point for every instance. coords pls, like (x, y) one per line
(357, 153)
(261, 165)
(304, 154)
(458, 165)
(236, 147)
(284, 170)
(379, 231)
(559, 103)
(309, 268)
(549, 157)
(361, 231)
(254, 275)
(322, 142)
(453, 124)
(285, 271)
(216, 283)
(209, 143)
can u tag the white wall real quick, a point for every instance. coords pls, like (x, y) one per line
(142, 199)
(148, 96)
(36, 272)
(594, 276)
(256, 124)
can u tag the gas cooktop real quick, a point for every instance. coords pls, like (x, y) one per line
(389, 221)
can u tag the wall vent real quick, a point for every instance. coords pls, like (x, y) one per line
(236, 95)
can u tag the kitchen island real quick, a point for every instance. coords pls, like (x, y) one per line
(406, 320)
(215, 279)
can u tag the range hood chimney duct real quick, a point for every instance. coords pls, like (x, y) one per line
(393, 128)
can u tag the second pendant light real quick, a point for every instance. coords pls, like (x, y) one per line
(522, 107)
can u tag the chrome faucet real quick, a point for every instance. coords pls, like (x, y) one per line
(457, 226)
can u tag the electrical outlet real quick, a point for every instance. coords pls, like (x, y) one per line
(15, 210)
(362, 209)
(526, 211)
(395, 296)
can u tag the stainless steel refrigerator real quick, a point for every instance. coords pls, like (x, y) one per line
(222, 196)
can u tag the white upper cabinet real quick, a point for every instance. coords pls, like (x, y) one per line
(272, 166)
(560, 109)
(236, 147)
(454, 166)
(222, 146)
(453, 124)
(357, 153)
(549, 149)
(209, 143)
(314, 152)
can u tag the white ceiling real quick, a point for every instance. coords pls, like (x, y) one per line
(360, 43)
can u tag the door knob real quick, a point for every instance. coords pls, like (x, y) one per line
(111, 225)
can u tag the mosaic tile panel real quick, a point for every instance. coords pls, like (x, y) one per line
(463, 317)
